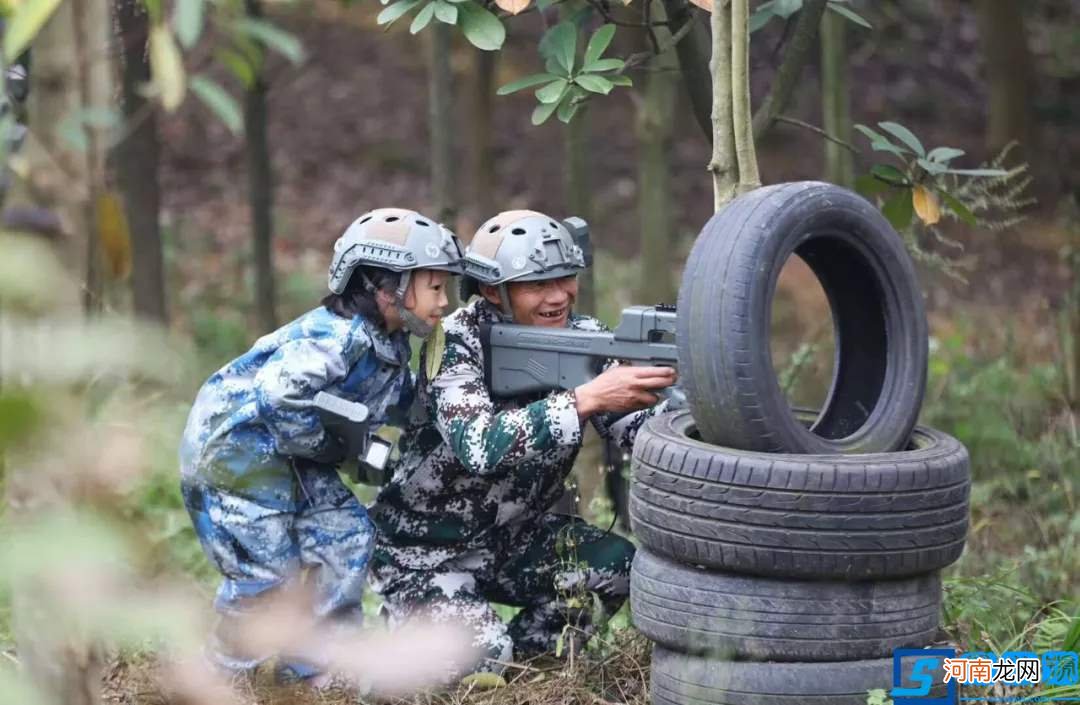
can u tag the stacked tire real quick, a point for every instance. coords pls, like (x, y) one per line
(785, 553)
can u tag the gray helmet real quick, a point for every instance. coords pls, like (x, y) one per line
(400, 240)
(523, 246)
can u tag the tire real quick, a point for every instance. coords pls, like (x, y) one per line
(691, 610)
(681, 679)
(836, 517)
(725, 306)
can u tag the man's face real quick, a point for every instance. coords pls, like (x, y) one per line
(540, 303)
(426, 295)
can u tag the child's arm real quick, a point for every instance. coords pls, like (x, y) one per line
(285, 389)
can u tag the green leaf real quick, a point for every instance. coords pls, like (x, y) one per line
(542, 112)
(931, 167)
(445, 12)
(884, 145)
(620, 80)
(959, 209)
(604, 65)
(599, 42)
(188, 18)
(890, 175)
(944, 154)
(20, 416)
(220, 103)
(904, 135)
(272, 37)
(595, 84)
(560, 44)
(167, 67)
(526, 82)
(899, 209)
(786, 8)
(482, 28)
(239, 65)
(552, 92)
(1072, 639)
(870, 134)
(569, 106)
(849, 14)
(28, 19)
(395, 11)
(868, 186)
(422, 18)
(977, 172)
(761, 17)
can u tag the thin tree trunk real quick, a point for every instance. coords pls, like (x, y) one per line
(137, 159)
(441, 123)
(481, 155)
(261, 185)
(655, 127)
(796, 55)
(1009, 72)
(836, 100)
(723, 165)
(694, 51)
(740, 86)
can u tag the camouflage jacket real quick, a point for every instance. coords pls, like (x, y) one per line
(474, 469)
(253, 416)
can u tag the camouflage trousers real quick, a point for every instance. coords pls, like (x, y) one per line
(261, 547)
(559, 570)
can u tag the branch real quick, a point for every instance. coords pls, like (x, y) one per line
(817, 130)
(638, 58)
(795, 58)
(722, 165)
(742, 120)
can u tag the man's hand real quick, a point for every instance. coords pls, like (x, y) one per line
(622, 389)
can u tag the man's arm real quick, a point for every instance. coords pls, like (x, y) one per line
(490, 443)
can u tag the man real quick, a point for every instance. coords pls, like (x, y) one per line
(465, 521)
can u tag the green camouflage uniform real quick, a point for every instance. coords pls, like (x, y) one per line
(465, 521)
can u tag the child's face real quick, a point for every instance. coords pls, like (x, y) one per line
(426, 296)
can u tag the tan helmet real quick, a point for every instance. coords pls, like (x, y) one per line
(397, 239)
(523, 245)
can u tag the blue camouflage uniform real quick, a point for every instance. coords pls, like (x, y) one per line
(258, 468)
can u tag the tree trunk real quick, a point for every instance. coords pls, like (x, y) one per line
(723, 166)
(740, 102)
(261, 185)
(441, 123)
(70, 74)
(481, 154)
(655, 127)
(136, 161)
(1008, 72)
(694, 51)
(796, 54)
(836, 100)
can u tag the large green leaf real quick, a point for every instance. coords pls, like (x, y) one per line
(904, 135)
(272, 37)
(595, 84)
(568, 108)
(786, 8)
(240, 66)
(188, 18)
(620, 80)
(445, 12)
(868, 186)
(599, 42)
(899, 209)
(931, 167)
(890, 175)
(28, 19)
(220, 103)
(482, 28)
(560, 45)
(527, 82)
(604, 65)
(761, 16)
(944, 154)
(542, 112)
(422, 18)
(392, 13)
(552, 92)
(849, 14)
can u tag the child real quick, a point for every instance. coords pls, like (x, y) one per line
(258, 467)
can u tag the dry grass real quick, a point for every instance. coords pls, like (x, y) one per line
(615, 674)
